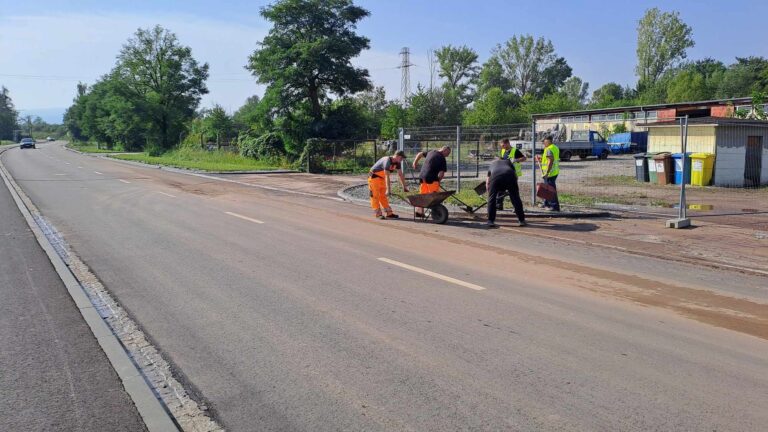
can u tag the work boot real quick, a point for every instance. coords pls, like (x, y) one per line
(491, 224)
(392, 216)
(522, 224)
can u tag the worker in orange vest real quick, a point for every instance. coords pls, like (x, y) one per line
(379, 183)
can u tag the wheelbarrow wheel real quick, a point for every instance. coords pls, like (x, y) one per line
(439, 214)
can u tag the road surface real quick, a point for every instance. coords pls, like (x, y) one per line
(53, 374)
(290, 312)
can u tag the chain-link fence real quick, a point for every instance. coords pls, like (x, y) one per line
(349, 156)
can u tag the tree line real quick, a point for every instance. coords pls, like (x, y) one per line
(150, 98)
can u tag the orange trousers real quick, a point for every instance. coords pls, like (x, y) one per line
(425, 188)
(378, 188)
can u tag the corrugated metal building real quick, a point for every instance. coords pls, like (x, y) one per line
(740, 147)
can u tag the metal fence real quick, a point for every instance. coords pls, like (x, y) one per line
(349, 156)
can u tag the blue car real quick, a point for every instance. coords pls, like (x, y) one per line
(27, 143)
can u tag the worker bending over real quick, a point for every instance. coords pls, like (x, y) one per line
(503, 178)
(517, 157)
(432, 172)
(379, 183)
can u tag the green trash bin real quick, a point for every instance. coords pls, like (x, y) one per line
(651, 167)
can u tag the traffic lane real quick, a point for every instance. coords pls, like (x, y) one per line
(55, 376)
(322, 304)
(421, 305)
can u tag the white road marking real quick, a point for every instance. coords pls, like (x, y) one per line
(59, 174)
(96, 172)
(82, 167)
(433, 274)
(167, 194)
(125, 181)
(244, 217)
(71, 164)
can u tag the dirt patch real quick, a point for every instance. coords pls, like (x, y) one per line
(318, 184)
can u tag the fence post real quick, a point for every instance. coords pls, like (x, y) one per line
(401, 139)
(458, 158)
(477, 159)
(533, 163)
(683, 211)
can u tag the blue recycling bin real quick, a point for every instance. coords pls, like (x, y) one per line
(679, 161)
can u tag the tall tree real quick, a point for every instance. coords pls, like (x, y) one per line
(217, 123)
(8, 115)
(607, 94)
(575, 89)
(458, 66)
(161, 76)
(553, 77)
(492, 76)
(662, 41)
(308, 50)
(524, 60)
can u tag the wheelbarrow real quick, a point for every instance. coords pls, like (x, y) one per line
(432, 203)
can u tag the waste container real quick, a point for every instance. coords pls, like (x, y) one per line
(665, 169)
(702, 165)
(651, 167)
(679, 161)
(641, 168)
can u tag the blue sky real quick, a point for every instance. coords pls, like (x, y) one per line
(47, 46)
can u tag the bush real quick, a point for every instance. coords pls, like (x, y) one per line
(312, 155)
(154, 150)
(268, 145)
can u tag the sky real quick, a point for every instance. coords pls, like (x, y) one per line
(47, 46)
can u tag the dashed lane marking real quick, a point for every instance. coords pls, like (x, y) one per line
(433, 274)
(166, 194)
(245, 217)
(96, 172)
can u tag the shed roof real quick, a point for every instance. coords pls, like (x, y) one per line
(710, 121)
(702, 104)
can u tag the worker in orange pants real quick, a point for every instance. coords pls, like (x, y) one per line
(379, 183)
(432, 171)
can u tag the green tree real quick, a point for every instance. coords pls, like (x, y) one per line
(607, 95)
(8, 115)
(458, 66)
(688, 85)
(492, 108)
(744, 77)
(247, 115)
(434, 107)
(662, 41)
(492, 76)
(307, 52)
(554, 77)
(575, 89)
(162, 79)
(217, 123)
(524, 61)
(395, 117)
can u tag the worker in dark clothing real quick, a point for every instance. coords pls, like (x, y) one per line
(517, 157)
(502, 178)
(432, 171)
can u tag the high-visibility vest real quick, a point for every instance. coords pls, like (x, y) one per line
(555, 160)
(505, 154)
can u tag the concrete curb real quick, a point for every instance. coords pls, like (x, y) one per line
(152, 411)
(529, 213)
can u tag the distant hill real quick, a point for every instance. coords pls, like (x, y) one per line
(49, 115)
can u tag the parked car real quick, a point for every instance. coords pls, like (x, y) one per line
(50, 139)
(27, 143)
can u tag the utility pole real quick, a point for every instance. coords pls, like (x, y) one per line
(405, 79)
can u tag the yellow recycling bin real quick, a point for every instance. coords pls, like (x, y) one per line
(702, 165)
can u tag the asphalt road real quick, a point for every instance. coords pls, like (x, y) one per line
(53, 374)
(288, 312)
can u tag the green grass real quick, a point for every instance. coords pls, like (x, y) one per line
(206, 160)
(614, 180)
(90, 148)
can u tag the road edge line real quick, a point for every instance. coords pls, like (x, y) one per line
(152, 410)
